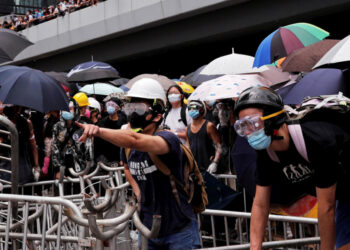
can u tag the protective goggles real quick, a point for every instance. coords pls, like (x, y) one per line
(138, 108)
(111, 104)
(251, 124)
(194, 106)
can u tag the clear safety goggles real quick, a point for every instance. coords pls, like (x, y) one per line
(250, 124)
(138, 108)
(195, 106)
(111, 104)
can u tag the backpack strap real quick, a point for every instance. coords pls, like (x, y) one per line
(183, 114)
(297, 136)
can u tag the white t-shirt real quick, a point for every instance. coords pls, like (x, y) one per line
(174, 122)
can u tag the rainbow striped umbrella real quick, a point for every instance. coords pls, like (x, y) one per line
(285, 40)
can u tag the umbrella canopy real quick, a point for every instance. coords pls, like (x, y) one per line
(196, 78)
(228, 86)
(318, 82)
(186, 88)
(61, 77)
(92, 71)
(31, 88)
(285, 40)
(229, 65)
(163, 80)
(11, 44)
(272, 74)
(302, 60)
(100, 89)
(337, 56)
(119, 82)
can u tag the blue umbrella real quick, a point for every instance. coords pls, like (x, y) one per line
(318, 82)
(92, 71)
(31, 88)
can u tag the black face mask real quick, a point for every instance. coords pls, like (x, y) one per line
(139, 121)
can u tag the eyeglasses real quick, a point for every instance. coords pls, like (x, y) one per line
(138, 108)
(250, 124)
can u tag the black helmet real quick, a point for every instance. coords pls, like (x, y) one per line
(266, 99)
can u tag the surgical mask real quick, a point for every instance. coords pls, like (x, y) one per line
(174, 98)
(67, 115)
(259, 140)
(193, 113)
(110, 110)
(87, 113)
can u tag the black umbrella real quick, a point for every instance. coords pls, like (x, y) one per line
(196, 78)
(31, 88)
(91, 72)
(61, 77)
(11, 44)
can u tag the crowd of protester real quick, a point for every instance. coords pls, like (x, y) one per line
(47, 140)
(63, 7)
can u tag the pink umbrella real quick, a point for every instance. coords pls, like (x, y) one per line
(227, 86)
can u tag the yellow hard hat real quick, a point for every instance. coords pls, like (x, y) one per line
(188, 89)
(82, 99)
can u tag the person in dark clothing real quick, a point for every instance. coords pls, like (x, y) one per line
(179, 227)
(67, 151)
(28, 152)
(105, 151)
(323, 172)
(203, 138)
(50, 120)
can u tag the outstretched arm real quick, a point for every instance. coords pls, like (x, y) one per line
(126, 139)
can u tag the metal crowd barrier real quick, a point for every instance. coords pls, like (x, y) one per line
(242, 239)
(12, 134)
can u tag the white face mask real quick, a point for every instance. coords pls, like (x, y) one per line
(174, 97)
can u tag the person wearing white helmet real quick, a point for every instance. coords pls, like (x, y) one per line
(150, 185)
(95, 110)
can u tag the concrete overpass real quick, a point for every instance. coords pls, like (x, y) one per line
(144, 35)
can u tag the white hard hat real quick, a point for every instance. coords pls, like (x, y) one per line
(94, 104)
(147, 88)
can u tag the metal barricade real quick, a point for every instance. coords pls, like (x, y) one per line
(242, 239)
(74, 220)
(12, 133)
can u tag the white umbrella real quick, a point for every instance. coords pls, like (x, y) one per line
(227, 86)
(100, 89)
(339, 53)
(229, 65)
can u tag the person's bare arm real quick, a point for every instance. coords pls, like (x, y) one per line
(32, 142)
(260, 214)
(215, 137)
(127, 139)
(326, 222)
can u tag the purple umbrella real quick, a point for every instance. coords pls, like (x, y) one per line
(318, 82)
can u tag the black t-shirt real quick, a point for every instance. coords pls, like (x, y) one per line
(328, 152)
(105, 151)
(156, 195)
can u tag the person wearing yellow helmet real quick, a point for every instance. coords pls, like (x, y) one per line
(83, 103)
